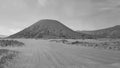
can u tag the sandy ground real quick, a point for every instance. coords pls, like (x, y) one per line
(45, 54)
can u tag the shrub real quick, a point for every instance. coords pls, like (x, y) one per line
(6, 56)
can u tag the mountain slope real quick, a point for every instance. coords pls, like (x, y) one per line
(112, 32)
(49, 29)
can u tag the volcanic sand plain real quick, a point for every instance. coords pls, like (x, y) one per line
(38, 53)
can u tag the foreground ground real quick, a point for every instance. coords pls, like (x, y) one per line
(46, 54)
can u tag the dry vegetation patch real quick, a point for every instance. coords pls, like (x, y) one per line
(109, 44)
(62, 41)
(10, 43)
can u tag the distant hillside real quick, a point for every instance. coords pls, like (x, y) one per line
(112, 32)
(2, 36)
(51, 29)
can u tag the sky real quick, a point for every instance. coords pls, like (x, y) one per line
(16, 15)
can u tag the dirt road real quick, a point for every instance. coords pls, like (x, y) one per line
(45, 54)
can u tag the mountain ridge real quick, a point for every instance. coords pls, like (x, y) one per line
(110, 32)
(48, 28)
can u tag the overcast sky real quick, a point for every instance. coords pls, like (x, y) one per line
(16, 15)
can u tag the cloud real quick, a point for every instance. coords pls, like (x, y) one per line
(12, 31)
(4, 30)
(42, 2)
(104, 5)
(14, 4)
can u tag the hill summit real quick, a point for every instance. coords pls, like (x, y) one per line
(51, 29)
